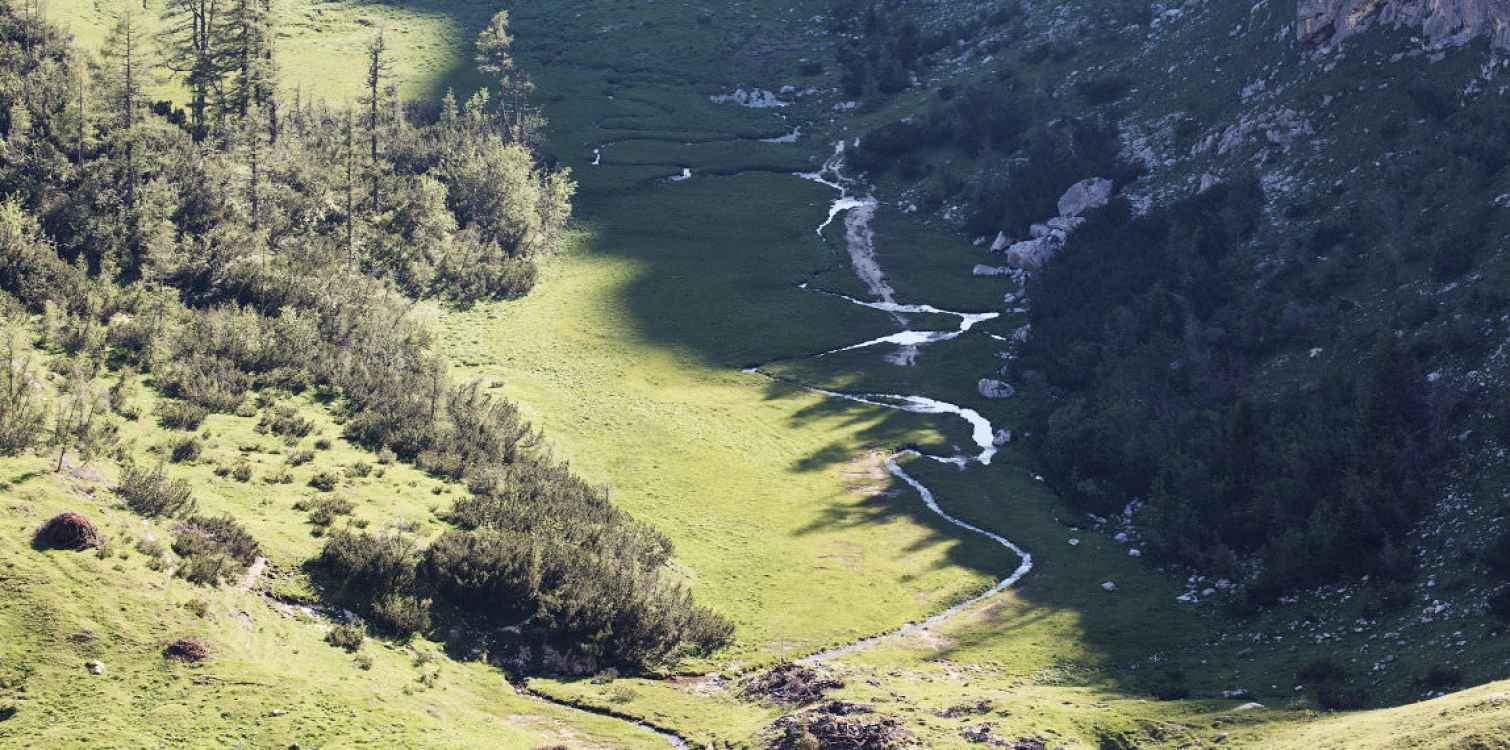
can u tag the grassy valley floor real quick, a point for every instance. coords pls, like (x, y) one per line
(630, 354)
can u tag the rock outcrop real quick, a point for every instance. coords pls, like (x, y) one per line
(995, 389)
(1323, 23)
(1084, 196)
(1045, 239)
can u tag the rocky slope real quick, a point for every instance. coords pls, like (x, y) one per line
(1325, 23)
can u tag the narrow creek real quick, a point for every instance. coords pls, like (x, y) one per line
(860, 244)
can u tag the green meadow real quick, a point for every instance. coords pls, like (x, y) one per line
(630, 353)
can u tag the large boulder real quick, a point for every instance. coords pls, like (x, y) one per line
(1030, 255)
(995, 389)
(1084, 196)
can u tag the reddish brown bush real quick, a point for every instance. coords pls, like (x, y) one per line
(791, 684)
(68, 530)
(188, 648)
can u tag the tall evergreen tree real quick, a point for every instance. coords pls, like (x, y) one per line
(188, 44)
(244, 55)
(378, 72)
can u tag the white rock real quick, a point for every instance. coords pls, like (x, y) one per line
(1084, 196)
(1074, 542)
(1209, 181)
(1249, 707)
(1030, 255)
(1207, 592)
(1063, 225)
(1135, 553)
(1002, 438)
(96, 667)
(1120, 538)
(995, 389)
(1000, 243)
(984, 270)
(1109, 586)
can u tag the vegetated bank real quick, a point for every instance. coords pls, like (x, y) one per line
(255, 247)
(1260, 360)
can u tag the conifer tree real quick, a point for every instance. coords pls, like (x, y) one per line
(188, 43)
(378, 71)
(244, 53)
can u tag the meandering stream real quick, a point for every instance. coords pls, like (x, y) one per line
(860, 243)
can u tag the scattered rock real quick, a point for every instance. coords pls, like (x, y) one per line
(995, 389)
(96, 667)
(1236, 695)
(984, 270)
(1002, 438)
(1109, 586)
(1000, 243)
(1249, 707)
(1135, 553)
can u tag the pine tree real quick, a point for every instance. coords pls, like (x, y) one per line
(123, 77)
(378, 72)
(244, 56)
(188, 44)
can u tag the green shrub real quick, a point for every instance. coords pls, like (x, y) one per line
(299, 457)
(154, 493)
(214, 548)
(325, 480)
(381, 563)
(242, 472)
(1320, 670)
(181, 415)
(1337, 699)
(1499, 604)
(285, 421)
(1441, 677)
(402, 614)
(185, 449)
(324, 509)
(348, 635)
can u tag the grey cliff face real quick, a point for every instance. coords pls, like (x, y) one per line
(1323, 23)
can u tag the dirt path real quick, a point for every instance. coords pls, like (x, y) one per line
(252, 575)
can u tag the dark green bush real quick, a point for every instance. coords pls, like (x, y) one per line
(151, 492)
(182, 415)
(402, 614)
(214, 548)
(1320, 670)
(325, 480)
(285, 421)
(185, 449)
(349, 636)
(1338, 699)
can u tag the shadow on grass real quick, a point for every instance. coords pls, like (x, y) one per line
(719, 263)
